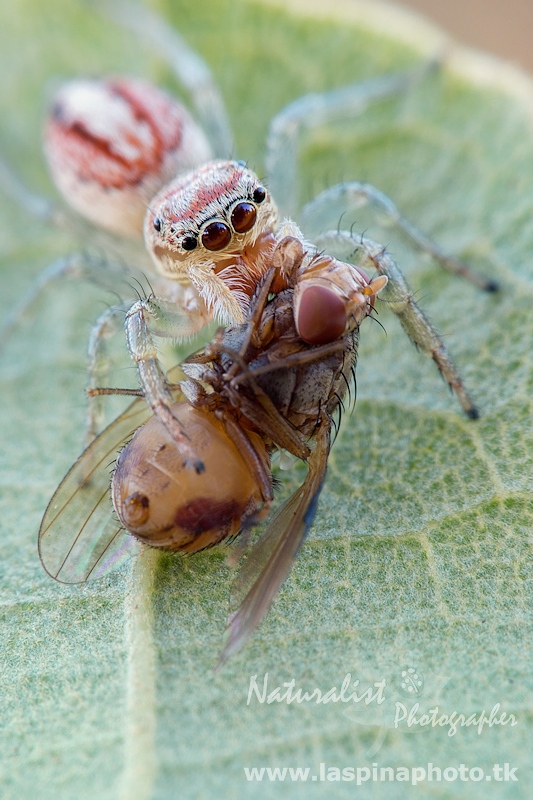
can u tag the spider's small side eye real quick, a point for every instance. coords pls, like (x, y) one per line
(189, 242)
(243, 217)
(259, 194)
(216, 236)
(157, 224)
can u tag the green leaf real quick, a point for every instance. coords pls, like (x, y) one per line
(421, 555)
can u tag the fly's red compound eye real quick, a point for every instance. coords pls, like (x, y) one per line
(243, 217)
(320, 315)
(216, 236)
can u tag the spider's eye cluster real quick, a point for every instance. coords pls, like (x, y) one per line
(217, 235)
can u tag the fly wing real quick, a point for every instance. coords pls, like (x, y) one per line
(271, 557)
(80, 536)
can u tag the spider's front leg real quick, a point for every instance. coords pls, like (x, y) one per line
(399, 298)
(147, 318)
(185, 313)
(42, 208)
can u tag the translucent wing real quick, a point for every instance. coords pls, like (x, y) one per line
(80, 536)
(270, 559)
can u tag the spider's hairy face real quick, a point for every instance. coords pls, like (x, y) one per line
(209, 216)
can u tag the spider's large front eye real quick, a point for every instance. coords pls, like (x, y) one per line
(216, 236)
(243, 217)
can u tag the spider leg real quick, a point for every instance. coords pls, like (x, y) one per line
(110, 272)
(50, 213)
(353, 195)
(157, 317)
(38, 206)
(180, 306)
(313, 111)
(399, 298)
(79, 266)
(187, 65)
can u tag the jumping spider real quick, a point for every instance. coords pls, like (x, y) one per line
(134, 162)
(114, 144)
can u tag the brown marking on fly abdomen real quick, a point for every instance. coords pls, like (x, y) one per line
(204, 514)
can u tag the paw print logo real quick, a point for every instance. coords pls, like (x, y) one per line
(411, 681)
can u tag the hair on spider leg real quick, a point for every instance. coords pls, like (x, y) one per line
(354, 238)
(152, 293)
(341, 408)
(144, 295)
(419, 298)
(187, 555)
(352, 234)
(136, 291)
(113, 391)
(121, 301)
(339, 222)
(106, 258)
